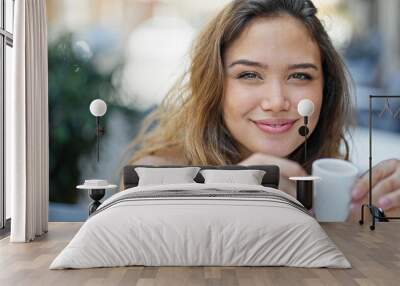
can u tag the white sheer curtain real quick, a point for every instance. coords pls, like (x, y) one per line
(27, 124)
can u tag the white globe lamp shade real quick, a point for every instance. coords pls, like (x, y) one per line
(305, 107)
(98, 107)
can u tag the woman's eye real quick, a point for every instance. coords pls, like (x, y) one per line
(249, 75)
(300, 76)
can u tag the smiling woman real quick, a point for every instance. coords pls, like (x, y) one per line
(237, 104)
(250, 67)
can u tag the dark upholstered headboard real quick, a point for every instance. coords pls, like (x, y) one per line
(270, 179)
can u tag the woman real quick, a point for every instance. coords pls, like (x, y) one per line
(237, 104)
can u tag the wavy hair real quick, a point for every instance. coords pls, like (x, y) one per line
(190, 117)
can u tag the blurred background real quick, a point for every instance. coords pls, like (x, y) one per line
(129, 52)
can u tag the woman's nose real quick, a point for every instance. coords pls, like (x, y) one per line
(274, 97)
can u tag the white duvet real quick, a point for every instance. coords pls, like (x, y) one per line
(190, 230)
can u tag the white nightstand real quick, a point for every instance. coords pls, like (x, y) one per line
(97, 190)
(304, 190)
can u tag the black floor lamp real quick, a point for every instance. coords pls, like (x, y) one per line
(375, 211)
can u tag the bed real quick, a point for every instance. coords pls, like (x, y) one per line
(202, 222)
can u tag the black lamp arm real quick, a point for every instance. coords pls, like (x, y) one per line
(303, 131)
(99, 131)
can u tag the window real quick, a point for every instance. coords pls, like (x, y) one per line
(6, 44)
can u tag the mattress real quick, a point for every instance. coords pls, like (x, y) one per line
(201, 225)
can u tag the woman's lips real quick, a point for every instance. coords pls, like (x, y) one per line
(275, 126)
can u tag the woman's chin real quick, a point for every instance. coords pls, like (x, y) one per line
(277, 151)
(279, 148)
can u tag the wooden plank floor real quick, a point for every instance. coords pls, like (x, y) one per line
(375, 257)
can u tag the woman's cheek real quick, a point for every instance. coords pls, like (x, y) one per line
(238, 104)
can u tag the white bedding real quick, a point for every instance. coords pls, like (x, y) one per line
(189, 230)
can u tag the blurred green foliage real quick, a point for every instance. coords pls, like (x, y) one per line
(73, 83)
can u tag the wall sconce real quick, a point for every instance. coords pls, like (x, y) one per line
(98, 108)
(305, 108)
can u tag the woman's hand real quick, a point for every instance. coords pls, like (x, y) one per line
(385, 189)
(287, 168)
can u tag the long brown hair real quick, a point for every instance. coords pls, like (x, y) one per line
(190, 116)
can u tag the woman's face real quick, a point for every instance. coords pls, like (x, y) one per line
(271, 67)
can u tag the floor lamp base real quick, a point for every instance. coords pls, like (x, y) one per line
(376, 214)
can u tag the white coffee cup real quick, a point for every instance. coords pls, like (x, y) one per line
(332, 194)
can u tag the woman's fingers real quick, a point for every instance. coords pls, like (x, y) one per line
(381, 189)
(287, 167)
(379, 172)
(385, 189)
(390, 201)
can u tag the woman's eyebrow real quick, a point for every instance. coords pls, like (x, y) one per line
(247, 63)
(261, 65)
(303, 66)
